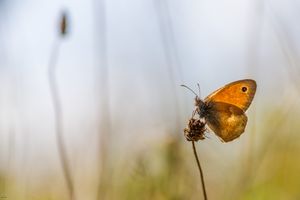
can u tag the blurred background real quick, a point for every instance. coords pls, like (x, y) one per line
(98, 112)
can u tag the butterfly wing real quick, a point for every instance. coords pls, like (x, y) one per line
(226, 120)
(239, 93)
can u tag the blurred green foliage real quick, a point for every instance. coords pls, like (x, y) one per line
(167, 170)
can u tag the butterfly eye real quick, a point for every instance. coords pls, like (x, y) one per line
(244, 89)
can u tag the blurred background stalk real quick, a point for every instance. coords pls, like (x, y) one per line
(173, 64)
(57, 105)
(105, 133)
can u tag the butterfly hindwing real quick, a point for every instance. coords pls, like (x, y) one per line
(226, 120)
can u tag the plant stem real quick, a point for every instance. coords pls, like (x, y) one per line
(200, 170)
(58, 120)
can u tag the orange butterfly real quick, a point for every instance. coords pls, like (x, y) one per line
(224, 109)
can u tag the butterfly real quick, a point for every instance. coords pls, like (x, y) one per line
(224, 109)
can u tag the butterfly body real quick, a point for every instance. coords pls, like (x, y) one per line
(224, 109)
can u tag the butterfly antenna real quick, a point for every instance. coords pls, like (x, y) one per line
(189, 89)
(199, 89)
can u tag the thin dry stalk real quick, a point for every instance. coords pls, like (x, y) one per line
(200, 171)
(58, 120)
(195, 131)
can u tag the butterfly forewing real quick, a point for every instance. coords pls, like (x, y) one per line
(239, 93)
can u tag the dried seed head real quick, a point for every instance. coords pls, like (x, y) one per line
(64, 24)
(195, 130)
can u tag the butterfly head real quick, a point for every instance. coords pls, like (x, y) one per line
(198, 101)
(204, 109)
